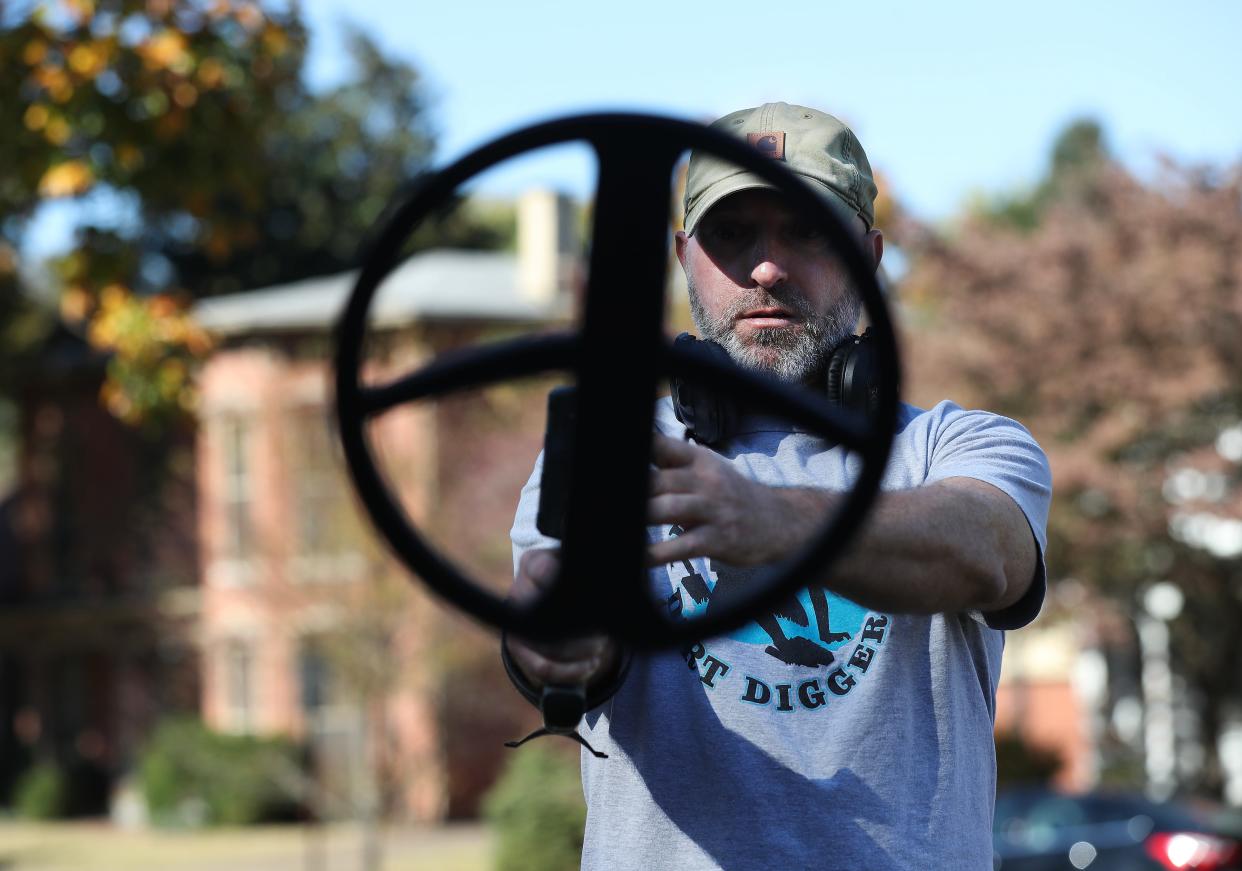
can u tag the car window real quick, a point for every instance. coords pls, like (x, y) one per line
(1044, 811)
(1057, 812)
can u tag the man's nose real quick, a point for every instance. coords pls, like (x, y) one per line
(768, 273)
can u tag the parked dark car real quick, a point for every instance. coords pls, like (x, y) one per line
(1040, 830)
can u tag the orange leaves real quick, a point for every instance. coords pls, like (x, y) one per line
(82, 11)
(158, 60)
(57, 131)
(275, 39)
(155, 345)
(129, 157)
(211, 73)
(66, 179)
(158, 9)
(75, 304)
(185, 95)
(248, 15)
(166, 50)
(59, 71)
(167, 105)
(89, 59)
(8, 259)
(36, 117)
(54, 80)
(34, 52)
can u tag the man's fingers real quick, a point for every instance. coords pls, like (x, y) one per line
(541, 566)
(681, 508)
(668, 452)
(679, 480)
(542, 670)
(569, 651)
(536, 571)
(546, 664)
(688, 545)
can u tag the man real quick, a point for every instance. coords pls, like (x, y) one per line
(852, 728)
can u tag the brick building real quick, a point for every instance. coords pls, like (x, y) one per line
(98, 586)
(289, 568)
(245, 585)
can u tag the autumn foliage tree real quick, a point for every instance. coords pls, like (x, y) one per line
(227, 171)
(1104, 311)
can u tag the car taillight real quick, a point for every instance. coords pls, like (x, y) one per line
(1179, 851)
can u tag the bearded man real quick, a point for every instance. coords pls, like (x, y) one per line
(792, 743)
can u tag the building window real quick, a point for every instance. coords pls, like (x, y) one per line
(237, 489)
(334, 727)
(326, 524)
(239, 686)
(315, 675)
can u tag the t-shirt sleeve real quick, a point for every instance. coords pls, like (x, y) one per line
(1000, 451)
(525, 534)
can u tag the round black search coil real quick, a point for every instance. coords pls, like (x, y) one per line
(618, 358)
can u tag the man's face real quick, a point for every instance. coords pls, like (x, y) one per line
(766, 284)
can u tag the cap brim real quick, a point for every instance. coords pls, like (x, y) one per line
(745, 181)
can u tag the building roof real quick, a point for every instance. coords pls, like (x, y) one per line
(442, 284)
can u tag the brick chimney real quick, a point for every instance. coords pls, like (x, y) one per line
(547, 245)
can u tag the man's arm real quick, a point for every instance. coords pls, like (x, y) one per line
(954, 545)
(536, 562)
(577, 661)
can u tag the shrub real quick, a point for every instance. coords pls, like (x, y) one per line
(1019, 763)
(191, 775)
(537, 810)
(42, 793)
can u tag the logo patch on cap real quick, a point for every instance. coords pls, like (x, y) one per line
(770, 144)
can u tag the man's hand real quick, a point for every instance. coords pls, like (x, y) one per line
(580, 661)
(954, 545)
(725, 515)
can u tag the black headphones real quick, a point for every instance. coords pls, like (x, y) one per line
(710, 417)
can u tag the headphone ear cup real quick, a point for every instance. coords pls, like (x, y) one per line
(709, 416)
(853, 375)
(836, 369)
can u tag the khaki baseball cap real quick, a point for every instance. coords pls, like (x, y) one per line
(813, 144)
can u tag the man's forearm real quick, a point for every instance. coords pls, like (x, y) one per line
(954, 545)
(951, 546)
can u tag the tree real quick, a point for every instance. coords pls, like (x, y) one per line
(115, 97)
(322, 171)
(1078, 153)
(1109, 325)
(234, 174)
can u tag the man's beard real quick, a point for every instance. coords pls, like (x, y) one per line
(798, 352)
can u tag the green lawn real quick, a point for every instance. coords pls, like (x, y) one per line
(98, 846)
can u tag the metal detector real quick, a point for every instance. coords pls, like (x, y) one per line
(618, 357)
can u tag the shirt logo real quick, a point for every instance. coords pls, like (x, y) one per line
(824, 643)
(770, 144)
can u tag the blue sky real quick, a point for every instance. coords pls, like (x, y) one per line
(948, 98)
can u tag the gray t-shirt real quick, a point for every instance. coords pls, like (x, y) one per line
(823, 735)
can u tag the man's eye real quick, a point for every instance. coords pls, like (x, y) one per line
(808, 233)
(730, 233)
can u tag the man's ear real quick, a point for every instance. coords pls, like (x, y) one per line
(873, 244)
(681, 240)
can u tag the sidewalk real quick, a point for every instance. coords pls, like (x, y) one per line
(97, 846)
